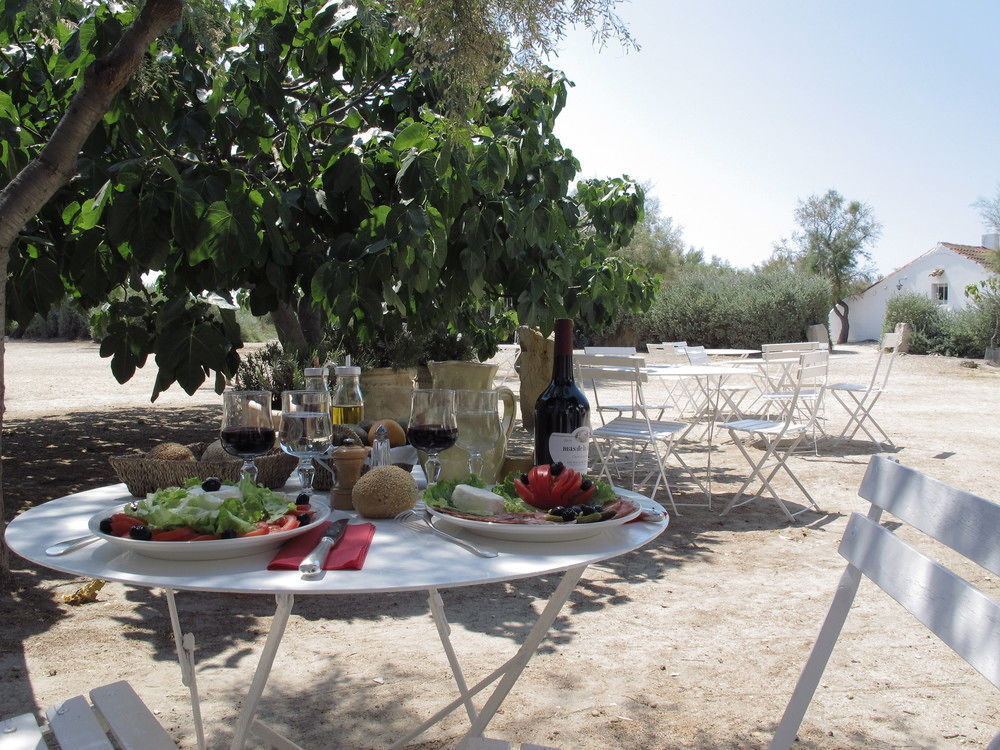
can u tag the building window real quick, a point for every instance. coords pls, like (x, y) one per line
(939, 293)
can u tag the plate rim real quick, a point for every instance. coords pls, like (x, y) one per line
(93, 524)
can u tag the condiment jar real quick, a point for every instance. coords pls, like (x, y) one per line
(348, 462)
(348, 404)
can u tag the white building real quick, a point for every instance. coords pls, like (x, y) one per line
(941, 274)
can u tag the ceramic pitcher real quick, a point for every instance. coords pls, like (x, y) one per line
(482, 432)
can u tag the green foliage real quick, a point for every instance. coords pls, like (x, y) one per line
(965, 333)
(658, 244)
(294, 150)
(722, 307)
(64, 321)
(253, 328)
(927, 321)
(269, 369)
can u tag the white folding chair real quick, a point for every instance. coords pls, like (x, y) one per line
(604, 358)
(681, 393)
(117, 713)
(507, 355)
(799, 419)
(859, 400)
(730, 395)
(675, 343)
(636, 433)
(957, 612)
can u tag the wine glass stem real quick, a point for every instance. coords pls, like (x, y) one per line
(433, 468)
(306, 472)
(250, 469)
(476, 463)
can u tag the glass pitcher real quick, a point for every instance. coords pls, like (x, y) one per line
(482, 435)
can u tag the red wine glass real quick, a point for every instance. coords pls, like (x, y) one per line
(247, 428)
(433, 427)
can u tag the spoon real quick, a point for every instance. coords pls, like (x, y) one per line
(68, 545)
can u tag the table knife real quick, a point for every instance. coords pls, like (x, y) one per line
(313, 562)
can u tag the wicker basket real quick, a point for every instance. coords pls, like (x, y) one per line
(144, 475)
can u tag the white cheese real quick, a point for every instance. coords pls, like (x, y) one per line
(481, 502)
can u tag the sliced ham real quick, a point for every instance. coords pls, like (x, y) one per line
(621, 507)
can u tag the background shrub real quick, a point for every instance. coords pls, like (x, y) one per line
(723, 308)
(965, 333)
(64, 321)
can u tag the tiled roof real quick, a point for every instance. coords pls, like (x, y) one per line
(972, 252)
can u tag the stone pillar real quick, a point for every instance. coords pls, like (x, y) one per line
(534, 365)
(818, 333)
(904, 343)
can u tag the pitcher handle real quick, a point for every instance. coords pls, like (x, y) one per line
(509, 410)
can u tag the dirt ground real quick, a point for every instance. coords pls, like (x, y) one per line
(694, 641)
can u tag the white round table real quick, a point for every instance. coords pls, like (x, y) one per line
(398, 560)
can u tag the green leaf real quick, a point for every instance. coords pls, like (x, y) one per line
(412, 135)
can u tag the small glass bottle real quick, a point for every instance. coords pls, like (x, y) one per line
(348, 405)
(316, 379)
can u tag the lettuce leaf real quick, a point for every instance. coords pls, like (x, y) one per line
(439, 495)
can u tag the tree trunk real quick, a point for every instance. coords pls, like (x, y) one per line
(288, 328)
(23, 197)
(843, 317)
(311, 320)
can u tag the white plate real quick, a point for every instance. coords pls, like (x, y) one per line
(210, 549)
(529, 533)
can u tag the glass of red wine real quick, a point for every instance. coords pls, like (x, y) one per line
(247, 428)
(433, 426)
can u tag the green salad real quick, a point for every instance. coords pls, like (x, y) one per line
(229, 508)
(439, 495)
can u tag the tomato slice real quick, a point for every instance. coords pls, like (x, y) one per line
(259, 531)
(300, 509)
(182, 534)
(122, 522)
(287, 522)
(203, 537)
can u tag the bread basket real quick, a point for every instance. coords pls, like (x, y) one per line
(143, 475)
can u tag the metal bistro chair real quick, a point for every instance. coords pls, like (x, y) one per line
(507, 355)
(639, 432)
(859, 400)
(799, 419)
(957, 612)
(681, 393)
(118, 714)
(729, 395)
(604, 353)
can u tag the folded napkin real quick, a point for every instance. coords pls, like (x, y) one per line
(348, 554)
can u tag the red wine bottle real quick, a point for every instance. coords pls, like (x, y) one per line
(562, 413)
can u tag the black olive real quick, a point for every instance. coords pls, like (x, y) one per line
(586, 484)
(524, 478)
(556, 469)
(588, 509)
(140, 532)
(302, 498)
(105, 526)
(569, 514)
(557, 510)
(212, 484)
(228, 534)
(305, 519)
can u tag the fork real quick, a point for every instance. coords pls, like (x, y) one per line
(419, 522)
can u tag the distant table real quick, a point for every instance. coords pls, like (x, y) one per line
(398, 560)
(741, 353)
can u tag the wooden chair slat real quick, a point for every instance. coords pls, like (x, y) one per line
(21, 733)
(964, 522)
(954, 610)
(74, 725)
(131, 724)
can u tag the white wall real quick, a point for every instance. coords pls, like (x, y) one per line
(868, 309)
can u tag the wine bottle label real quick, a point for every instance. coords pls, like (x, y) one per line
(571, 448)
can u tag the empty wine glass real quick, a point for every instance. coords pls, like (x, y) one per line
(306, 430)
(478, 425)
(433, 427)
(247, 427)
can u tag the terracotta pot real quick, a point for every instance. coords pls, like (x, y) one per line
(388, 392)
(465, 376)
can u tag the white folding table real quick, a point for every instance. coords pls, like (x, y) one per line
(398, 560)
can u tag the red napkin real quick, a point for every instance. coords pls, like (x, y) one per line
(348, 554)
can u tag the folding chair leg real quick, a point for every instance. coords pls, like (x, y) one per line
(784, 736)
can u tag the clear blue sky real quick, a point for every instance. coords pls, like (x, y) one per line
(736, 110)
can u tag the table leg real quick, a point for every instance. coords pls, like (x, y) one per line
(444, 632)
(249, 707)
(184, 642)
(511, 669)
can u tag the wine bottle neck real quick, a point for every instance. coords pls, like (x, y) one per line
(562, 364)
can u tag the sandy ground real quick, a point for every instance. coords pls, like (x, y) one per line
(694, 641)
